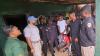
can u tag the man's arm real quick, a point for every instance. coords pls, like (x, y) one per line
(30, 44)
(90, 32)
(59, 30)
(65, 29)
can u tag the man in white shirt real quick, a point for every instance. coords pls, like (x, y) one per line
(62, 25)
(32, 36)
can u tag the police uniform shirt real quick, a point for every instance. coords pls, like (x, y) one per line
(87, 33)
(75, 28)
(42, 29)
(52, 32)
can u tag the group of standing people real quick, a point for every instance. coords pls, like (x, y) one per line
(44, 35)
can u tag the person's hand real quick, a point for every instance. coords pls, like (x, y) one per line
(62, 33)
(32, 51)
(49, 41)
(76, 39)
(41, 42)
(70, 39)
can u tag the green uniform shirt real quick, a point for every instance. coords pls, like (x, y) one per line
(15, 47)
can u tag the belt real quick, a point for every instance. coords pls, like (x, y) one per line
(36, 41)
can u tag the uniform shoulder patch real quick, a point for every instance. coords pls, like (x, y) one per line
(89, 25)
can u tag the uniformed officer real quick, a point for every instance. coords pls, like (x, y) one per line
(74, 33)
(42, 27)
(13, 46)
(52, 35)
(32, 36)
(87, 33)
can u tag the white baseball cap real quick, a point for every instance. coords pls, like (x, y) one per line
(30, 18)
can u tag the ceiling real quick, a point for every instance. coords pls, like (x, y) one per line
(38, 6)
(64, 1)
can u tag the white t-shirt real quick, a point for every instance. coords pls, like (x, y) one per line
(32, 32)
(61, 25)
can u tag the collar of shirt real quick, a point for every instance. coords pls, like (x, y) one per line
(31, 25)
(13, 37)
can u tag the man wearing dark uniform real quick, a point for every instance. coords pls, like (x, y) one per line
(42, 28)
(74, 33)
(52, 36)
(87, 33)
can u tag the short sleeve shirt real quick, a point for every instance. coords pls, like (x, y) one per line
(62, 25)
(32, 32)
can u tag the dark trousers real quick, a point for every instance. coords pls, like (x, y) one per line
(51, 46)
(76, 48)
(46, 46)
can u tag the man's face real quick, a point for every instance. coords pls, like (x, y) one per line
(72, 16)
(15, 31)
(49, 22)
(33, 21)
(60, 17)
(84, 13)
(42, 20)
